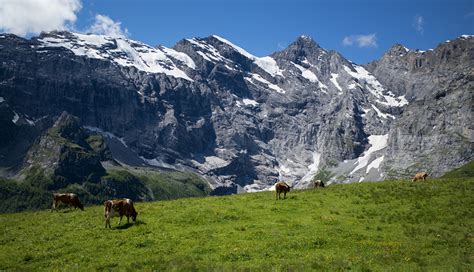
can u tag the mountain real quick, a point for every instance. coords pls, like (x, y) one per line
(242, 122)
(435, 131)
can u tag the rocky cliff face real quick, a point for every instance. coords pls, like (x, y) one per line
(243, 121)
(435, 132)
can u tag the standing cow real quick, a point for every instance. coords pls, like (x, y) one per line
(119, 207)
(281, 187)
(66, 198)
(420, 176)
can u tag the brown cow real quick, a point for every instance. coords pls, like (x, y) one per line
(119, 207)
(281, 187)
(66, 198)
(420, 175)
(318, 183)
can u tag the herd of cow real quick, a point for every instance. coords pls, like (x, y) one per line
(282, 187)
(112, 208)
(121, 207)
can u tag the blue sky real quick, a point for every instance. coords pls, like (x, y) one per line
(361, 30)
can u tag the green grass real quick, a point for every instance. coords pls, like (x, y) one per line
(466, 170)
(172, 184)
(390, 225)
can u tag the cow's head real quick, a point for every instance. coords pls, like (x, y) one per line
(134, 216)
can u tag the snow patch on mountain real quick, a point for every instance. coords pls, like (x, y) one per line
(375, 164)
(333, 79)
(283, 170)
(207, 51)
(266, 63)
(306, 73)
(187, 60)
(377, 143)
(210, 163)
(381, 114)
(250, 102)
(313, 168)
(257, 77)
(309, 75)
(352, 86)
(374, 86)
(148, 59)
(121, 51)
(88, 48)
(258, 187)
(269, 65)
(246, 102)
(16, 117)
(237, 48)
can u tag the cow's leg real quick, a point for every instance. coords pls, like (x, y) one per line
(128, 219)
(284, 195)
(120, 221)
(107, 221)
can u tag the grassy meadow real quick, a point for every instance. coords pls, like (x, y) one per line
(390, 225)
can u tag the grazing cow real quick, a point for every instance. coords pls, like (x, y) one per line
(318, 183)
(420, 175)
(281, 187)
(119, 207)
(66, 198)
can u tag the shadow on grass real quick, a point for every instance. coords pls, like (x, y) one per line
(69, 210)
(128, 225)
(139, 222)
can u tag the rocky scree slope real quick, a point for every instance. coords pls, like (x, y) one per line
(242, 121)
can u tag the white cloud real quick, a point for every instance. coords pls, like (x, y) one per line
(24, 17)
(104, 25)
(418, 23)
(369, 40)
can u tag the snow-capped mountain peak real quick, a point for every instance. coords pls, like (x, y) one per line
(267, 63)
(245, 120)
(123, 52)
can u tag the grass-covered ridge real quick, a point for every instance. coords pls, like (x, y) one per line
(466, 170)
(143, 184)
(390, 225)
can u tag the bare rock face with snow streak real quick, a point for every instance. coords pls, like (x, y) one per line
(435, 133)
(243, 121)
